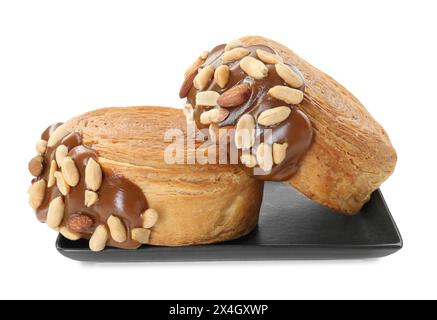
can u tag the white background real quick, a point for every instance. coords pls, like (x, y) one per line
(61, 58)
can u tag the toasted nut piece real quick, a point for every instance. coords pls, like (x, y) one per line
(70, 235)
(193, 67)
(254, 67)
(60, 153)
(249, 160)
(279, 152)
(235, 96)
(264, 156)
(268, 57)
(91, 198)
(93, 175)
(245, 132)
(79, 222)
(37, 192)
(203, 78)
(117, 229)
(57, 135)
(221, 75)
(234, 54)
(204, 55)
(207, 98)
(274, 116)
(55, 213)
(214, 115)
(187, 84)
(286, 94)
(52, 178)
(41, 147)
(98, 239)
(36, 166)
(141, 235)
(63, 186)
(150, 217)
(70, 172)
(289, 75)
(233, 44)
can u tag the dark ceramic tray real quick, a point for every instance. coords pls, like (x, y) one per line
(291, 227)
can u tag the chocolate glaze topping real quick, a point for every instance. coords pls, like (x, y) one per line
(296, 130)
(117, 195)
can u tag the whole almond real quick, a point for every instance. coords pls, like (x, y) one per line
(207, 98)
(203, 78)
(286, 94)
(187, 84)
(41, 147)
(233, 44)
(221, 75)
(249, 160)
(279, 152)
(141, 235)
(150, 217)
(234, 54)
(274, 116)
(289, 75)
(36, 193)
(93, 175)
(70, 235)
(52, 179)
(264, 156)
(235, 96)
(70, 172)
(254, 68)
(55, 213)
(57, 135)
(91, 198)
(98, 239)
(117, 229)
(36, 166)
(268, 57)
(214, 115)
(63, 186)
(245, 132)
(60, 154)
(79, 223)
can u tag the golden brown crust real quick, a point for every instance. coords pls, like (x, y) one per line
(197, 204)
(351, 154)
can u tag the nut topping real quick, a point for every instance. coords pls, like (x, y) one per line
(62, 185)
(286, 94)
(264, 156)
(245, 132)
(289, 75)
(36, 166)
(221, 75)
(203, 78)
(36, 194)
(69, 234)
(233, 44)
(279, 152)
(41, 147)
(249, 160)
(59, 134)
(98, 239)
(204, 55)
(254, 67)
(193, 67)
(79, 223)
(274, 116)
(141, 235)
(214, 115)
(267, 57)
(150, 217)
(117, 229)
(55, 213)
(52, 178)
(188, 83)
(93, 175)
(70, 172)
(60, 153)
(234, 54)
(91, 198)
(207, 98)
(235, 96)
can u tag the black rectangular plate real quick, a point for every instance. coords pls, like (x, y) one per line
(291, 227)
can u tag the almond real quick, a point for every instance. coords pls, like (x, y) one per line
(117, 229)
(41, 147)
(187, 84)
(55, 213)
(57, 135)
(63, 186)
(264, 157)
(91, 198)
(60, 153)
(233, 44)
(249, 160)
(70, 235)
(98, 239)
(279, 152)
(221, 75)
(141, 235)
(79, 223)
(203, 78)
(193, 67)
(245, 132)
(36, 166)
(150, 217)
(235, 96)
(36, 193)
(234, 54)
(289, 75)
(93, 175)
(52, 178)
(254, 68)
(286, 94)
(207, 98)
(214, 115)
(268, 57)
(274, 116)
(70, 172)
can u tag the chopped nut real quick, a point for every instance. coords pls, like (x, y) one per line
(59, 134)
(203, 78)
(36, 166)
(117, 229)
(286, 94)
(141, 235)
(234, 54)
(267, 57)
(193, 67)
(37, 193)
(79, 223)
(52, 178)
(98, 239)
(221, 75)
(150, 217)
(55, 213)
(41, 147)
(207, 98)
(60, 153)
(233, 44)
(289, 75)
(254, 67)
(70, 172)
(214, 115)
(245, 132)
(70, 235)
(264, 156)
(91, 198)
(279, 152)
(274, 116)
(204, 55)
(63, 186)
(93, 175)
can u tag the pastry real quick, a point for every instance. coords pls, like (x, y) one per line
(300, 125)
(102, 176)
